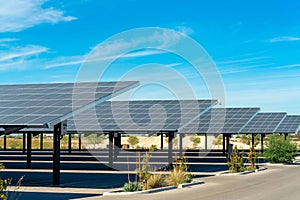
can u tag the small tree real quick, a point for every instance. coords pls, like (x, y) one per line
(236, 163)
(144, 173)
(252, 157)
(94, 139)
(195, 140)
(133, 141)
(280, 150)
(218, 141)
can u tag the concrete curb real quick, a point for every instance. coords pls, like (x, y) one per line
(119, 192)
(241, 173)
(190, 184)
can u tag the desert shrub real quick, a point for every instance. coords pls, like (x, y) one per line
(133, 140)
(144, 173)
(132, 186)
(179, 175)
(280, 150)
(252, 157)
(153, 148)
(195, 140)
(156, 181)
(219, 140)
(235, 162)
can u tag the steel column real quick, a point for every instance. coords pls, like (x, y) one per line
(205, 141)
(180, 144)
(285, 136)
(56, 154)
(161, 141)
(223, 145)
(41, 141)
(24, 143)
(262, 142)
(110, 149)
(29, 146)
(117, 144)
(4, 142)
(79, 141)
(70, 143)
(170, 147)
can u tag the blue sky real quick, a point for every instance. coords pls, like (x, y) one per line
(255, 44)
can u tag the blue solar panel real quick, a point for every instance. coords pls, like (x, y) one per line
(264, 123)
(221, 120)
(290, 124)
(156, 115)
(36, 105)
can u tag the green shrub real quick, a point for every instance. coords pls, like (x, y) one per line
(157, 181)
(153, 148)
(133, 140)
(179, 175)
(195, 140)
(236, 163)
(280, 150)
(252, 157)
(132, 186)
(3, 185)
(144, 173)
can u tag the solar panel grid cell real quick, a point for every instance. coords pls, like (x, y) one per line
(33, 103)
(222, 120)
(147, 115)
(290, 124)
(264, 123)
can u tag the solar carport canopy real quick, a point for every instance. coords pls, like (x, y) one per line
(290, 124)
(140, 116)
(264, 123)
(42, 105)
(221, 120)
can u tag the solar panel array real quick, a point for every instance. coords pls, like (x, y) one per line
(34, 105)
(221, 120)
(154, 115)
(290, 124)
(264, 123)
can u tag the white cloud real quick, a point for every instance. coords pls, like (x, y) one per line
(65, 61)
(21, 52)
(288, 66)
(184, 30)
(244, 63)
(7, 40)
(17, 15)
(284, 39)
(19, 57)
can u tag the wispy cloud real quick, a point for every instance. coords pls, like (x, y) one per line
(184, 30)
(20, 56)
(64, 61)
(244, 63)
(288, 66)
(17, 15)
(78, 60)
(284, 39)
(7, 40)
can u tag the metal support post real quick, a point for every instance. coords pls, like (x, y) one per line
(29, 146)
(56, 153)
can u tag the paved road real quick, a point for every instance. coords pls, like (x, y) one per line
(278, 182)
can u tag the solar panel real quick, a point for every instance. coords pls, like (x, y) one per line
(221, 120)
(264, 123)
(153, 115)
(290, 124)
(36, 105)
